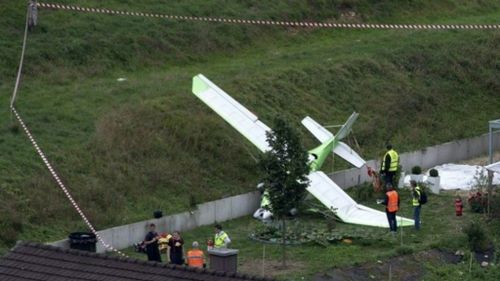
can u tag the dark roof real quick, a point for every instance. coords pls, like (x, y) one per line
(34, 261)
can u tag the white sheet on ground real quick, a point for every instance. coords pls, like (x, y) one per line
(333, 197)
(456, 176)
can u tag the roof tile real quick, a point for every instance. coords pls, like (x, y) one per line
(34, 261)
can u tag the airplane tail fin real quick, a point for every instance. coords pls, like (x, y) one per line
(346, 128)
(341, 149)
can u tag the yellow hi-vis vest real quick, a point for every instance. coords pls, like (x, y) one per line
(394, 161)
(265, 202)
(219, 239)
(415, 200)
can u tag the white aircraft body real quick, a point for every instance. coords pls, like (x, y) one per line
(321, 186)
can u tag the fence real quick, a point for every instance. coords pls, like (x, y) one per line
(241, 205)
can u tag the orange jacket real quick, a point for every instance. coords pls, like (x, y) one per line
(195, 258)
(392, 201)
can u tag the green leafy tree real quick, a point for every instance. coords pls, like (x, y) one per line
(286, 169)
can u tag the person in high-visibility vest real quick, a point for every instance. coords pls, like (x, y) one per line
(221, 239)
(392, 206)
(390, 165)
(195, 256)
(417, 207)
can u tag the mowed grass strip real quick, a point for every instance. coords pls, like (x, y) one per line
(441, 229)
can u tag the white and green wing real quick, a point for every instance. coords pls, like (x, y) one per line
(244, 121)
(346, 209)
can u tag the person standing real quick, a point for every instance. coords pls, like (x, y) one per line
(151, 242)
(195, 256)
(221, 238)
(390, 164)
(391, 202)
(417, 206)
(176, 252)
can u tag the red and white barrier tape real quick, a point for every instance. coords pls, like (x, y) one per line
(60, 183)
(270, 22)
(40, 152)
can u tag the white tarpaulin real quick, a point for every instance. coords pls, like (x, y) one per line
(455, 176)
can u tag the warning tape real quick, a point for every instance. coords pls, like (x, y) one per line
(271, 22)
(40, 152)
(60, 183)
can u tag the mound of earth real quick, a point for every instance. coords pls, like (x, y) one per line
(405, 267)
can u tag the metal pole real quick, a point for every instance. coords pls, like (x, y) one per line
(263, 259)
(390, 272)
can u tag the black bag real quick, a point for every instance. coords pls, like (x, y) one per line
(423, 197)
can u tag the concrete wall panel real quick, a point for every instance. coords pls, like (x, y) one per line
(245, 204)
(223, 209)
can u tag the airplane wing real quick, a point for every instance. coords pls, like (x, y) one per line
(316, 129)
(333, 197)
(244, 121)
(346, 152)
(495, 167)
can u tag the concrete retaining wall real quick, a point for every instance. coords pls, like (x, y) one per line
(241, 205)
(426, 158)
(208, 213)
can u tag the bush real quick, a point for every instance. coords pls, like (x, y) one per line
(495, 206)
(416, 170)
(476, 236)
(434, 173)
(478, 202)
(11, 225)
(404, 250)
(364, 192)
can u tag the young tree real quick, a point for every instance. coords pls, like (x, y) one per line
(286, 169)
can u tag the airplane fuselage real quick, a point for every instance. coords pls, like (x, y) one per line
(319, 154)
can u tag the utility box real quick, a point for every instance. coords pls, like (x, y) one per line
(83, 241)
(225, 260)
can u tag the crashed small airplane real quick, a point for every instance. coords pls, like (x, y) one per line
(320, 186)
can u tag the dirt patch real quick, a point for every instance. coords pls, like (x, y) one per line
(271, 268)
(406, 267)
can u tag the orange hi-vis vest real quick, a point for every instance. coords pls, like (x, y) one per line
(392, 202)
(195, 258)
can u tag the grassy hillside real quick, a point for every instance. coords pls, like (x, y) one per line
(128, 148)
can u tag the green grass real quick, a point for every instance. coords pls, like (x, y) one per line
(440, 229)
(126, 149)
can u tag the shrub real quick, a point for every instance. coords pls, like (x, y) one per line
(416, 170)
(476, 236)
(495, 206)
(11, 225)
(434, 173)
(364, 192)
(404, 250)
(478, 202)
